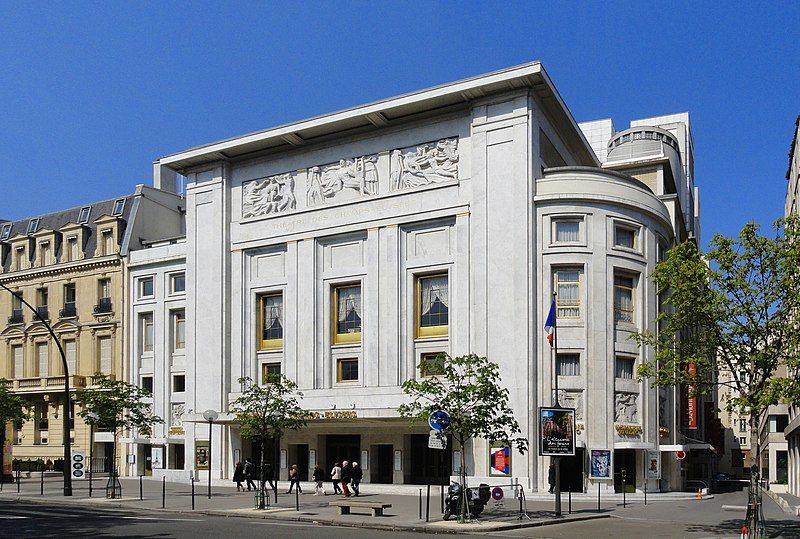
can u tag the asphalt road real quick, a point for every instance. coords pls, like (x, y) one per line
(36, 520)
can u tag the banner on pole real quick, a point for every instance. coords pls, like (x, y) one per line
(556, 432)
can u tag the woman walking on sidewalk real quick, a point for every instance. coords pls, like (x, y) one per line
(319, 478)
(294, 480)
(238, 476)
(336, 477)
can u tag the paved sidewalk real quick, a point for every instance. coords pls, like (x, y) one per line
(407, 511)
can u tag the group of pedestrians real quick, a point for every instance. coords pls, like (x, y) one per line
(344, 476)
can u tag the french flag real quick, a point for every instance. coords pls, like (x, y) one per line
(550, 324)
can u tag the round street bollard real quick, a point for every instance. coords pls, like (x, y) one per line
(163, 492)
(140, 489)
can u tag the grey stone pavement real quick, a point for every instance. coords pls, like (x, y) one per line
(666, 515)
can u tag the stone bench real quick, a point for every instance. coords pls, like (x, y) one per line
(345, 505)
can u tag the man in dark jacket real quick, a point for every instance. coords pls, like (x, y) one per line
(250, 473)
(347, 475)
(357, 473)
(551, 477)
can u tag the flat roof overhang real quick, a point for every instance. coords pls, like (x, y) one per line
(391, 111)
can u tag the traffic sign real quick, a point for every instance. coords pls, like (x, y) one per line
(680, 455)
(437, 440)
(439, 420)
(78, 464)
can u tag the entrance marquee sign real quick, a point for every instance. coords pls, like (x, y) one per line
(556, 432)
(601, 464)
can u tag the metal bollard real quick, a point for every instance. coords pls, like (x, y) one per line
(569, 502)
(140, 489)
(420, 504)
(192, 480)
(17, 481)
(297, 497)
(598, 496)
(428, 504)
(163, 492)
(41, 484)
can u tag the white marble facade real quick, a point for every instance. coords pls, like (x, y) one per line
(464, 193)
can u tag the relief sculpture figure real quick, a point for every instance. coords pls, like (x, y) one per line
(359, 174)
(625, 409)
(268, 195)
(425, 164)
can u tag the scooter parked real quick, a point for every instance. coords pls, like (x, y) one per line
(476, 500)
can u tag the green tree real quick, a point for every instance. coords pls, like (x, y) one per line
(729, 321)
(266, 412)
(468, 389)
(13, 409)
(117, 406)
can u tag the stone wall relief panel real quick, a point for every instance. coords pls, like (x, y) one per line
(347, 179)
(268, 196)
(626, 407)
(176, 414)
(433, 162)
(573, 399)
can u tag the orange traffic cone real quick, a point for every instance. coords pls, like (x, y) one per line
(699, 495)
(744, 534)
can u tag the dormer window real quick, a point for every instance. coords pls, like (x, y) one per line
(119, 206)
(5, 232)
(19, 258)
(44, 253)
(83, 216)
(107, 241)
(33, 226)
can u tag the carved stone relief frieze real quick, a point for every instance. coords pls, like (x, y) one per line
(359, 175)
(176, 414)
(434, 162)
(573, 399)
(626, 407)
(266, 196)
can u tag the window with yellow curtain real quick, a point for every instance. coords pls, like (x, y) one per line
(347, 314)
(270, 321)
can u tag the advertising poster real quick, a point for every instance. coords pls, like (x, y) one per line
(654, 465)
(500, 461)
(157, 458)
(556, 432)
(201, 455)
(600, 466)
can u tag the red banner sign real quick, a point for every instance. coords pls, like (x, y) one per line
(692, 400)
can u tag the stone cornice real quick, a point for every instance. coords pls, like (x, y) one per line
(61, 268)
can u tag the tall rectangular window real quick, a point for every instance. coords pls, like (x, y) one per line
(71, 352)
(107, 239)
(177, 283)
(41, 297)
(146, 287)
(179, 383)
(146, 324)
(104, 289)
(45, 253)
(19, 362)
(179, 329)
(268, 370)
(104, 346)
(146, 383)
(270, 321)
(623, 298)
(568, 365)
(72, 248)
(568, 302)
(43, 358)
(347, 314)
(69, 301)
(19, 258)
(625, 236)
(624, 367)
(433, 300)
(567, 231)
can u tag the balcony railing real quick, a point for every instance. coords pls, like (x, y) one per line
(16, 317)
(43, 312)
(103, 306)
(44, 384)
(69, 310)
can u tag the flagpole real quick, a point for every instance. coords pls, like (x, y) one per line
(556, 460)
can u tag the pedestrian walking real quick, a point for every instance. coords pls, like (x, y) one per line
(551, 477)
(269, 476)
(346, 477)
(294, 479)
(250, 474)
(357, 473)
(238, 476)
(319, 478)
(336, 478)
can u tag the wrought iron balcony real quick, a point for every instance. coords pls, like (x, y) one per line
(103, 306)
(69, 310)
(43, 312)
(16, 317)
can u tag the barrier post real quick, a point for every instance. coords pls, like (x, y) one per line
(164, 492)
(598, 496)
(297, 497)
(18, 481)
(41, 484)
(420, 504)
(569, 505)
(192, 480)
(140, 489)
(428, 503)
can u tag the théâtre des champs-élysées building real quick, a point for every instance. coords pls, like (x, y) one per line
(343, 249)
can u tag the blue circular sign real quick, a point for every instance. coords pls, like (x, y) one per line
(439, 420)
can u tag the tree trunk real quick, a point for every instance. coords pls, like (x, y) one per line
(113, 467)
(261, 478)
(754, 494)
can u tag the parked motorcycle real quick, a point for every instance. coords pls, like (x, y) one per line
(476, 500)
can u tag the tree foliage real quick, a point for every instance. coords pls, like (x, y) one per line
(468, 388)
(12, 406)
(732, 313)
(119, 406)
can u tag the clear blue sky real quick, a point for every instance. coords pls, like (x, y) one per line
(92, 93)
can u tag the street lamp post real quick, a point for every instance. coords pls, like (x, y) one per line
(93, 418)
(210, 416)
(67, 445)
